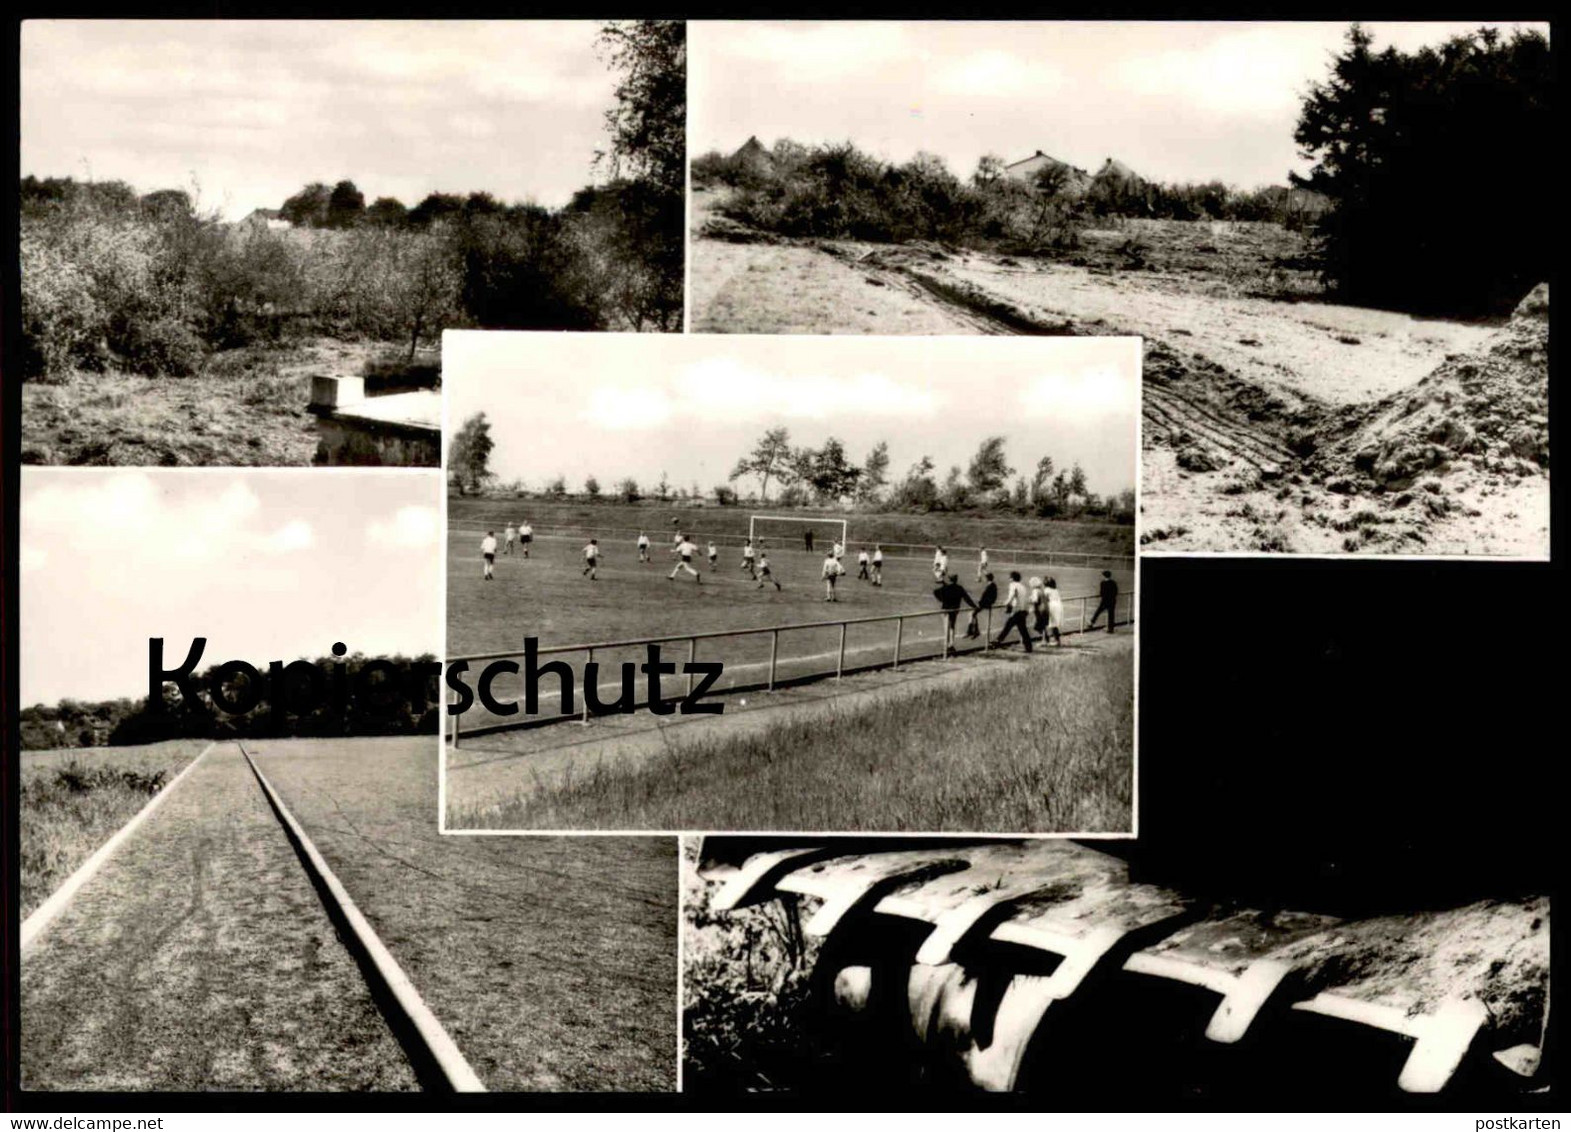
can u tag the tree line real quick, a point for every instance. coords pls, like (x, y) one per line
(126, 721)
(803, 475)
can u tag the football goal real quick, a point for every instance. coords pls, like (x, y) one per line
(791, 531)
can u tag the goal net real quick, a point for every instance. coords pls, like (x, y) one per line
(790, 532)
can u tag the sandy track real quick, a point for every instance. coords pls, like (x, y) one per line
(1322, 352)
(784, 289)
(200, 957)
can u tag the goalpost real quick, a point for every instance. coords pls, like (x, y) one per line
(789, 530)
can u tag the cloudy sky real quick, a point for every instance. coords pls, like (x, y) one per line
(255, 110)
(1174, 101)
(265, 565)
(616, 405)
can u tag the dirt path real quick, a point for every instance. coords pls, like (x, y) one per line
(200, 958)
(491, 770)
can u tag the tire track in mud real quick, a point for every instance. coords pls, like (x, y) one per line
(962, 302)
(1177, 414)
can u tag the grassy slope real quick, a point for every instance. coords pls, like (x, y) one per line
(1041, 747)
(247, 408)
(201, 958)
(730, 524)
(551, 961)
(73, 800)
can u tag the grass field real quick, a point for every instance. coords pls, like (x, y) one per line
(551, 961)
(1045, 750)
(728, 525)
(546, 596)
(1045, 745)
(72, 800)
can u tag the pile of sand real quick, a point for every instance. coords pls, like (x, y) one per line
(1488, 411)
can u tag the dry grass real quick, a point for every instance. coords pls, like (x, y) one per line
(1042, 746)
(74, 800)
(247, 408)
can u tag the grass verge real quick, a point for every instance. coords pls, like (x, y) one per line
(1043, 747)
(72, 801)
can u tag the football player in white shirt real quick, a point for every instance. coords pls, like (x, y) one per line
(713, 554)
(488, 552)
(878, 565)
(748, 554)
(526, 535)
(686, 549)
(862, 564)
(981, 564)
(940, 564)
(510, 536)
(591, 558)
(764, 576)
(831, 571)
(643, 547)
(839, 551)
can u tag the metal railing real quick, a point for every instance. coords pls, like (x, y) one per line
(950, 642)
(958, 555)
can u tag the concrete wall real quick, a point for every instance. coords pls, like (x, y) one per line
(362, 444)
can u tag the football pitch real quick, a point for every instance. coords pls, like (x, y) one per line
(546, 596)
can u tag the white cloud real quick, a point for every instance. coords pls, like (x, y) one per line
(411, 528)
(131, 514)
(120, 504)
(1077, 395)
(723, 390)
(726, 389)
(1237, 75)
(628, 407)
(997, 74)
(817, 51)
(293, 535)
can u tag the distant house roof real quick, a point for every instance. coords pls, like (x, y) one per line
(271, 217)
(1115, 170)
(754, 155)
(1075, 179)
